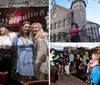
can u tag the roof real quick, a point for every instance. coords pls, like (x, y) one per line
(76, 1)
(23, 3)
(90, 22)
(66, 9)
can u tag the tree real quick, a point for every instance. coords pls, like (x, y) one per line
(84, 0)
(54, 1)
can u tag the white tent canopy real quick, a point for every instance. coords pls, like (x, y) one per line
(62, 45)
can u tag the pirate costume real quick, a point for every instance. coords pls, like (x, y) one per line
(5, 51)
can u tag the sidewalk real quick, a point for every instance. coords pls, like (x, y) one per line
(68, 80)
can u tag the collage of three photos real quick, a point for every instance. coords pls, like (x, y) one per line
(49, 42)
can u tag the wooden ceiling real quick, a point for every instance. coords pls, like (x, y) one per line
(23, 3)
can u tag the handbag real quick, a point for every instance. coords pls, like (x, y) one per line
(80, 67)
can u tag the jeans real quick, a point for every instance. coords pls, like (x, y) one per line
(84, 68)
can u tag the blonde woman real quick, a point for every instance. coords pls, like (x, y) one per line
(93, 62)
(95, 73)
(40, 52)
(6, 44)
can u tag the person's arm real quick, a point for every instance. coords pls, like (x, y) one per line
(41, 52)
(94, 64)
(56, 57)
(14, 50)
(81, 59)
(44, 35)
(14, 47)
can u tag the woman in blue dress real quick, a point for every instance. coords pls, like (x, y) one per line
(24, 47)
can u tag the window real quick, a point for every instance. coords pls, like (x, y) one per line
(54, 15)
(55, 26)
(54, 37)
(59, 23)
(76, 7)
(51, 27)
(65, 22)
(95, 26)
(81, 7)
(50, 37)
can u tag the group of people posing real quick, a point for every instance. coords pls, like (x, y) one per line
(25, 51)
(86, 64)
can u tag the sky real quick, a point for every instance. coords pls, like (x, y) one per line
(60, 46)
(92, 9)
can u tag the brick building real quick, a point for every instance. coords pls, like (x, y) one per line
(62, 18)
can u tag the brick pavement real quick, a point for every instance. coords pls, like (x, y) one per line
(68, 80)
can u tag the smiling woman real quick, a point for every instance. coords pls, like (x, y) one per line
(24, 47)
(40, 52)
(6, 53)
(20, 14)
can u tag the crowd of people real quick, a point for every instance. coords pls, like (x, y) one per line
(26, 51)
(85, 63)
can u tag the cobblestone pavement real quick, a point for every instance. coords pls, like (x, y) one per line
(68, 80)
